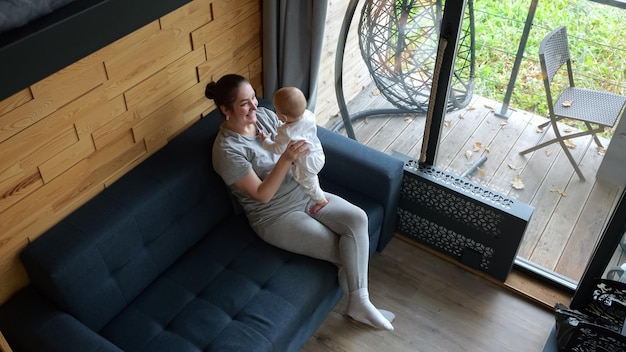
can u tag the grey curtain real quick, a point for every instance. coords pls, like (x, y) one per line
(293, 32)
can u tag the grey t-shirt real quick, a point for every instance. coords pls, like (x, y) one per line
(233, 157)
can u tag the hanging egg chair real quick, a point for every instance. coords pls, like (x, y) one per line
(398, 40)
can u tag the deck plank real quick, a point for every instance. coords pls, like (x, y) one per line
(486, 130)
(503, 158)
(563, 229)
(568, 212)
(556, 209)
(388, 132)
(456, 136)
(581, 241)
(409, 140)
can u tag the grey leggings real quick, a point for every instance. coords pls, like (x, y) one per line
(337, 233)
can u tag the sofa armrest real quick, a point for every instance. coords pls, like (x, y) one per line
(365, 170)
(31, 323)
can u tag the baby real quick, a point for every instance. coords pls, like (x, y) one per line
(298, 124)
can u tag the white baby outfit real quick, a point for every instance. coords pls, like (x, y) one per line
(304, 169)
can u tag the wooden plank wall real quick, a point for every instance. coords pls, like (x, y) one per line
(69, 136)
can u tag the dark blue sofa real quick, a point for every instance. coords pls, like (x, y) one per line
(162, 261)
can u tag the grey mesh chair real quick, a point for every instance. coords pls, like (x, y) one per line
(599, 108)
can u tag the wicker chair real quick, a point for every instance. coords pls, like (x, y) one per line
(398, 42)
(589, 106)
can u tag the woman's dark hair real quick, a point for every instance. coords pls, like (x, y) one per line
(224, 91)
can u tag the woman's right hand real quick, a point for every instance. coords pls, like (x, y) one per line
(264, 190)
(295, 149)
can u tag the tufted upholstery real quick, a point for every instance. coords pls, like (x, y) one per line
(160, 261)
(247, 294)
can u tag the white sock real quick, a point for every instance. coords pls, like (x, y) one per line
(361, 309)
(388, 315)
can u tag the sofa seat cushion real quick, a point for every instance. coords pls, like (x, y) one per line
(232, 291)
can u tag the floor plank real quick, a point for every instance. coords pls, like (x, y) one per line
(439, 306)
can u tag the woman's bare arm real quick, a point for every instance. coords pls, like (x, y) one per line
(264, 190)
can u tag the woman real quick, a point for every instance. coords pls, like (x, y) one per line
(278, 208)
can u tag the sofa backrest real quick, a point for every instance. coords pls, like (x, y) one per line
(99, 258)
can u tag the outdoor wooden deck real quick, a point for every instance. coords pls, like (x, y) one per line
(569, 214)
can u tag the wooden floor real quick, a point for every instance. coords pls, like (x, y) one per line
(569, 214)
(439, 306)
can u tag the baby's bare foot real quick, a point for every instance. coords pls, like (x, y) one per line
(319, 205)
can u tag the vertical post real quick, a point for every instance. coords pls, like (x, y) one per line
(504, 111)
(450, 28)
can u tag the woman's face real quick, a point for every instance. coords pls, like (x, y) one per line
(245, 106)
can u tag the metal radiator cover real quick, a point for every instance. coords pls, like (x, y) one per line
(479, 227)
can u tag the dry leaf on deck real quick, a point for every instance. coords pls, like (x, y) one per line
(539, 130)
(548, 152)
(471, 107)
(569, 144)
(487, 150)
(477, 146)
(503, 123)
(481, 172)
(408, 119)
(376, 91)
(567, 103)
(601, 150)
(559, 191)
(513, 167)
(461, 117)
(517, 182)
(468, 154)
(446, 123)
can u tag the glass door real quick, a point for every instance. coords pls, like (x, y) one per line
(609, 257)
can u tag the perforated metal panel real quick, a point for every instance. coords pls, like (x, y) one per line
(479, 227)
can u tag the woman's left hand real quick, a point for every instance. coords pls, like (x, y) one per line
(296, 149)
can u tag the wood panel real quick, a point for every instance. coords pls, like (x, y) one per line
(24, 115)
(4, 345)
(163, 86)
(66, 138)
(132, 66)
(15, 101)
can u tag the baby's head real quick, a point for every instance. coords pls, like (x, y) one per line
(290, 104)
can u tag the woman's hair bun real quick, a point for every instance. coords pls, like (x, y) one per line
(209, 91)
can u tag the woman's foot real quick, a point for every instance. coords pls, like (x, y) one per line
(318, 205)
(388, 315)
(362, 310)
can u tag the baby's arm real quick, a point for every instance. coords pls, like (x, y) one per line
(268, 143)
(265, 137)
(279, 144)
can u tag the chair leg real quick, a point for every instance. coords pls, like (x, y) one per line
(545, 124)
(538, 146)
(595, 137)
(560, 139)
(571, 160)
(554, 140)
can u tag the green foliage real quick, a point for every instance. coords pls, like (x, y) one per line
(596, 33)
